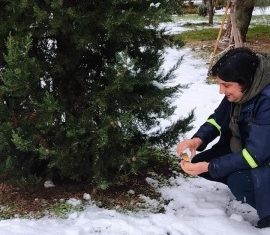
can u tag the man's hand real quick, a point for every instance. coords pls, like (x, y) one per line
(191, 144)
(194, 168)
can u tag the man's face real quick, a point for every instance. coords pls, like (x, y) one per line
(232, 90)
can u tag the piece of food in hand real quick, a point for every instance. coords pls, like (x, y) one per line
(184, 157)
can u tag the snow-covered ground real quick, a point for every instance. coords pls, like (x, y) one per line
(194, 206)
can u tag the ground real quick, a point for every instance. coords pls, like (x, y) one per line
(205, 48)
(43, 201)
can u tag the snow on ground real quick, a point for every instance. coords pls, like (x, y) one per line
(194, 206)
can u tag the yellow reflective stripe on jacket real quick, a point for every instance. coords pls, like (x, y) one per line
(214, 123)
(249, 159)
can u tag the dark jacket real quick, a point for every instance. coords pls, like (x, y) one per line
(254, 127)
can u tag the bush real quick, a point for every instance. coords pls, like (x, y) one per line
(202, 10)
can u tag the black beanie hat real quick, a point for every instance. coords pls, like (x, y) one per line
(237, 65)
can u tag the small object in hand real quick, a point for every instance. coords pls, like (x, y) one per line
(184, 157)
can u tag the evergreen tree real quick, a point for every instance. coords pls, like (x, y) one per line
(81, 85)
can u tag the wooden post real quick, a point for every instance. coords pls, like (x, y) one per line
(219, 35)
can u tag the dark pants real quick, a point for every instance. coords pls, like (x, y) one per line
(251, 186)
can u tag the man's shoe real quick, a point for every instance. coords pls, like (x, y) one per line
(264, 222)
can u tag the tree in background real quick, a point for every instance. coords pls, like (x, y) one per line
(243, 14)
(211, 11)
(208, 7)
(81, 85)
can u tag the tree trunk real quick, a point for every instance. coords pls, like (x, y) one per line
(211, 11)
(243, 14)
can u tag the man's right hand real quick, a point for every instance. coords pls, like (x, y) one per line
(191, 144)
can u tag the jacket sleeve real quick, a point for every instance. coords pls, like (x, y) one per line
(255, 152)
(213, 126)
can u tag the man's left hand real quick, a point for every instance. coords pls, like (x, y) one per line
(194, 168)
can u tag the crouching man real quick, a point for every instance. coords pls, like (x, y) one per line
(241, 158)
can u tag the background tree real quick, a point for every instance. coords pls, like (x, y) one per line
(243, 14)
(81, 85)
(211, 11)
(207, 7)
